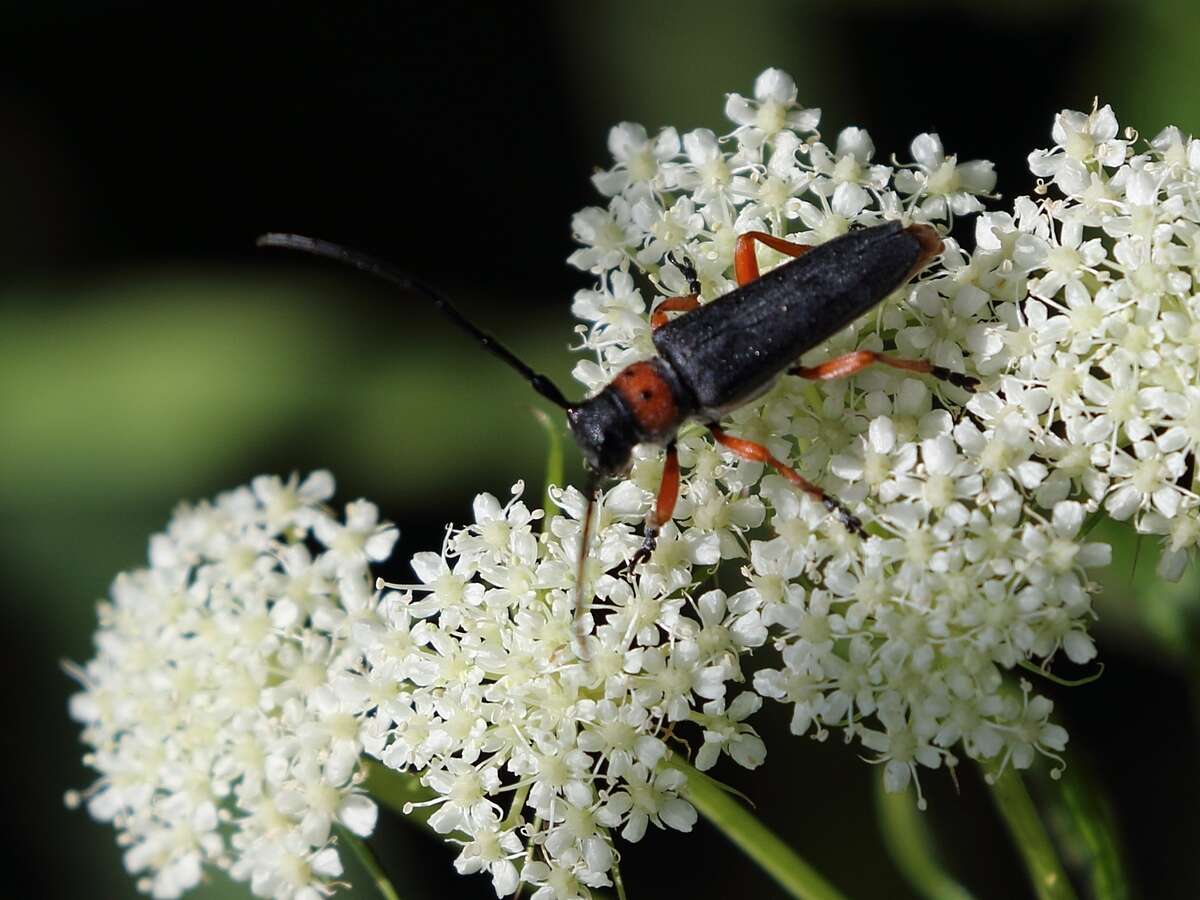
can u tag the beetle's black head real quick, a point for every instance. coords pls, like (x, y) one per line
(605, 431)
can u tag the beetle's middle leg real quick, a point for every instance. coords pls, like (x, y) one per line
(849, 363)
(664, 508)
(758, 453)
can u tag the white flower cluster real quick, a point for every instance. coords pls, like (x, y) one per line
(544, 737)
(220, 709)
(900, 639)
(241, 677)
(1105, 353)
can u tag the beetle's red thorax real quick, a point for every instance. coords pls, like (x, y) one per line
(649, 396)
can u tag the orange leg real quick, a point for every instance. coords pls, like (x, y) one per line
(664, 508)
(758, 453)
(658, 318)
(849, 363)
(668, 489)
(745, 263)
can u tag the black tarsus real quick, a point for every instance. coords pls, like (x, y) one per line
(850, 522)
(687, 270)
(372, 266)
(644, 552)
(958, 379)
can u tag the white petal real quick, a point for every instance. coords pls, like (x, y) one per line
(326, 863)
(358, 814)
(927, 150)
(679, 814)
(776, 85)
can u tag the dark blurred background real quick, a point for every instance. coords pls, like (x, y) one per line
(149, 353)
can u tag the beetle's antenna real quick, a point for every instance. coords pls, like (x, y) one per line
(585, 538)
(403, 280)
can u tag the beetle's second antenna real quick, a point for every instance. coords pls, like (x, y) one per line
(585, 536)
(380, 269)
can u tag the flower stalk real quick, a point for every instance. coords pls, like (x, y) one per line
(555, 465)
(1020, 816)
(367, 858)
(911, 845)
(1081, 820)
(752, 837)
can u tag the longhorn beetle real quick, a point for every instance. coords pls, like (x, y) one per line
(718, 356)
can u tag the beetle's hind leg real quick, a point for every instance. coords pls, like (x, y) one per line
(850, 363)
(758, 453)
(664, 507)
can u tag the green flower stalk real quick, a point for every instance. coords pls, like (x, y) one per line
(1020, 815)
(730, 816)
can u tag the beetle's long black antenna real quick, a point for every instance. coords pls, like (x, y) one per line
(380, 269)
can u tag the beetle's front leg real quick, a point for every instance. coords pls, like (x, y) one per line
(745, 265)
(753, 452)
(658, 318)
(664, 508)
(849, 363)
(745, 260)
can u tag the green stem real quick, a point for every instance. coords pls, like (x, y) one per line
(911, 845)
(618, 881)
(753, 838)
(1056, 679)
(370, 863)
(1083, 825)
(555, 463)
(1020, 815)
(537, 827)
(517, 806)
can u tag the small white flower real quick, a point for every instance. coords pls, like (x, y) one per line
(638, 158)
(360, 540)
(773, 109)
(1079, 139)
(951, 188)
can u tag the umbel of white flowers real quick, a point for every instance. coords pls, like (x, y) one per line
(975, 561)
(1078, 315)
(221, 710)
